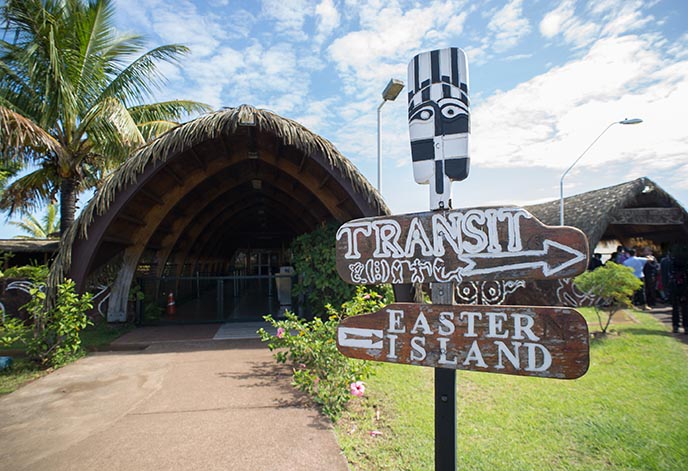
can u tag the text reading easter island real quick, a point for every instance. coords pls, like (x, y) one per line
(519, 340)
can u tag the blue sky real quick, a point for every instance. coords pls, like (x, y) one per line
(546, 78)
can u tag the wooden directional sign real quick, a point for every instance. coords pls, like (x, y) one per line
(458, 245)
(548, 342)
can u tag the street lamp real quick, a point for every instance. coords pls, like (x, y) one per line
(390, 93)
(561, 182)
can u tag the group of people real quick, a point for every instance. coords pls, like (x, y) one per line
(665, 280)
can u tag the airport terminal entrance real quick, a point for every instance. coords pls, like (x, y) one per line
(207, 213)
(256, 282)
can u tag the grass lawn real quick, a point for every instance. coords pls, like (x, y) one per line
(629, 412)
(22, 370)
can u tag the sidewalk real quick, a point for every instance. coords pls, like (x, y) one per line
(178, 404)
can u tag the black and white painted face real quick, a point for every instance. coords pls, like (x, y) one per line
(439, 118)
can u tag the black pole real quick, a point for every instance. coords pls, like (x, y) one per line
(445, 396)
(445, 419)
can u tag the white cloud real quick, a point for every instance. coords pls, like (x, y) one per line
(555, 21)
(623, 16)
(508, 26)
(328, 19)
(604, 18)
(563, 21)
(389, 34)
(549, 120)
(289, 16)
(184, 24)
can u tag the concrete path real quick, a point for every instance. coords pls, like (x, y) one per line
(179, 405)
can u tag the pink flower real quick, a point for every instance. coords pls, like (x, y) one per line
(280, 332)
(375, 433)
(367, 296)
(357, 388)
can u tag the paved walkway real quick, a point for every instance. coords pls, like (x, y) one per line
(186, 402)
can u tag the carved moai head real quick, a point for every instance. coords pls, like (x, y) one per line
(439, 121)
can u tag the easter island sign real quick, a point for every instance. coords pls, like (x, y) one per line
(477, 244)
(547, 342)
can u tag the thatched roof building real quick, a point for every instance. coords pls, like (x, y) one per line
(239, 179)
(635, 209)
(638, 209)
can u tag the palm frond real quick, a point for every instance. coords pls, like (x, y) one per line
(142, 76)
(110, 125)
(157, 118)
(21, 138)
(35, 229)
(27, 193)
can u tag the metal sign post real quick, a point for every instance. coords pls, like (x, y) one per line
(445, 395)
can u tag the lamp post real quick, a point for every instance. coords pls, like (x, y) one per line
(561, 182)
(390, 93)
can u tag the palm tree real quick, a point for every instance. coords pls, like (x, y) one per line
(35, 229)
(72, 99)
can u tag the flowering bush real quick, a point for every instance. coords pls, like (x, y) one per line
(53, 339)
(311, 348)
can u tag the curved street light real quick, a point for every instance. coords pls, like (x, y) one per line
(390, 93)
(561, 182)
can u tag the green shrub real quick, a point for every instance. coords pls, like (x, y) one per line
(311, 348)
(29, 272)
(53, 338)
(315, 264)
(613, 285)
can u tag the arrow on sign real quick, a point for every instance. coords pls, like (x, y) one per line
(561, 256)
(355, 337)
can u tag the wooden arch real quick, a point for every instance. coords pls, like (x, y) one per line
(203, 188)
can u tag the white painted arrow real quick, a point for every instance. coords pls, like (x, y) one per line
(355, 337)
(540, 261)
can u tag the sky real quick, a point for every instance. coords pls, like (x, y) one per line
(546, 79)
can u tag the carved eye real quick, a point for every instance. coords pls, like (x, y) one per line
(424, 115)
(451, 111)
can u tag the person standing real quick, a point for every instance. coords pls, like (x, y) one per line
(637, 264)
(595, 261)
(650, 271)
(664, 271)
(621, 255)
(678, 287)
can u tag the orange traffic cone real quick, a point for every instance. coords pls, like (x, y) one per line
(171, 305)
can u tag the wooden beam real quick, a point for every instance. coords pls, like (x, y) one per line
(118, 240)
(199, 160)
(341, 202)
(225, 146)
(153, 246)
(174, 175)
(164, 230)
(152, 196)
(178, 212)
(132, 219)
(648, 216)
(302, 164)
(324, 181)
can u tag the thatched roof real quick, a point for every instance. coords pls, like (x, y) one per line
(218, 127)
(29, 245)
(598, 213)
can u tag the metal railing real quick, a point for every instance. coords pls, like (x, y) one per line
(215, 298)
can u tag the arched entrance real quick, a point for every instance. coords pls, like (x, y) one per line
(209, 205)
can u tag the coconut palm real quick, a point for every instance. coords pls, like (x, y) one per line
(46, 228)
(72, 98)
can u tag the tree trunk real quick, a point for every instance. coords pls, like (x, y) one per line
(68, 197)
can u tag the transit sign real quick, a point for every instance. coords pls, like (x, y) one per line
(476, 244)
(549, 342)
